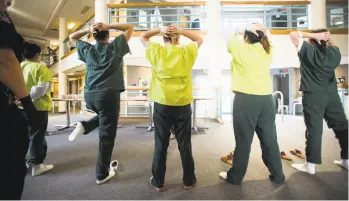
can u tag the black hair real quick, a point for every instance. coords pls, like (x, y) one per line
(30, 50)
(252, 38)
(100, 35)
(323, 44)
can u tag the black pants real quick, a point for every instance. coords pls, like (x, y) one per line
(253, 113)
(319, 106)
(13, 146)
(106, 105)
(164, 118)
(38, 145)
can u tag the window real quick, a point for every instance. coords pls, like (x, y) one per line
(337, 16)
(273, 16)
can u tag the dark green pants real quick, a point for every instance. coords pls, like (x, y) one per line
(38, 145)
(106, 105)
(180, 118)
(255, 113)
(319, 106)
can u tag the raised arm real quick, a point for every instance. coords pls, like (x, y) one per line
(78, 35)
(126, 28)
(297, 37)
(192, 36)
(145, 37)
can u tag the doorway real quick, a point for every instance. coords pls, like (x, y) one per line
(281, 82)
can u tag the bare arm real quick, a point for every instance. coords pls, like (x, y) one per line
(192, 36)
(11, 73)
(297, 37)
(78, 35)
(145, 37)
(126, 28)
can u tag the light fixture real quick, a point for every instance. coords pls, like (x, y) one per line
(71, 25)
(55, 43)
(71, 73)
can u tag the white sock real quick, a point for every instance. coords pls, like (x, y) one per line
(223, 175)
(306, 167)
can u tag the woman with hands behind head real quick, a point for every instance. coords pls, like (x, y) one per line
(253, 107)
(319, 58)
(171, 92)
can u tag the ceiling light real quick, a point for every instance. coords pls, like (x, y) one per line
(71, 25)
(54, 43)
(71, 73)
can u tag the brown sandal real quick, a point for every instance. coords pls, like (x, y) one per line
(297, 153)
(285, 157)
(228, 158)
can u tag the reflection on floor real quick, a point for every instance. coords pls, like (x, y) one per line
(74, 174)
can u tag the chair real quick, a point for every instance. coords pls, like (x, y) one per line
(281, 108)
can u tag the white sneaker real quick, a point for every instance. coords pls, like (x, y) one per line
(306, 167)
(40, 169)
(223, 175)
(111, 175)
(79, 130)
(28, 165)
(342, 163)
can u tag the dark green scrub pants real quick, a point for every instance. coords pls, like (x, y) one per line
(38, 145)
(328, 106)
(180, 118)
(106, 104)
(255, 113)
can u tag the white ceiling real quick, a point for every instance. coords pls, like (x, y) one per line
(35, 19)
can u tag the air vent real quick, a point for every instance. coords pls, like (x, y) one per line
(84, 10)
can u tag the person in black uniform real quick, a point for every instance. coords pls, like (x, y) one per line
(319, 58)
(13, 125)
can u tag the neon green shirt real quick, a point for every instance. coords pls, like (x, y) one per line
(250, 67)
(171, 82)
(36, 74)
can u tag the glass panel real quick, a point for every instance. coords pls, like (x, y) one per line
(146, 18)
(337, 17)
(273, 16)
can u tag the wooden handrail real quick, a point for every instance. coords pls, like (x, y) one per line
(337, 2)
(266, 2)
(159, 4)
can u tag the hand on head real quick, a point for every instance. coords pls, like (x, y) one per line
(324, 36)
(98, 27)
(259, 27)
(172, 30)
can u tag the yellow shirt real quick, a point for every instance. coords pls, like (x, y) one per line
(171, 82)
(36, 74)
(250, 67)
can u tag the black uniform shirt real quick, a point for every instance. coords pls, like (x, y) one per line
(9, 39)
(317, 68)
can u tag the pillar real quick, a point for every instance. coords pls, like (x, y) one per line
(317, 14)
(216, 47)
(62, 77)
(101, 11)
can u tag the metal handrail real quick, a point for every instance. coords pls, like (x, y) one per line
(282, 103)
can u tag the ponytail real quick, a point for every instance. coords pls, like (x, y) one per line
(265, 43)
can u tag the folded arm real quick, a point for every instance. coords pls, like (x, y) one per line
(40, 90)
